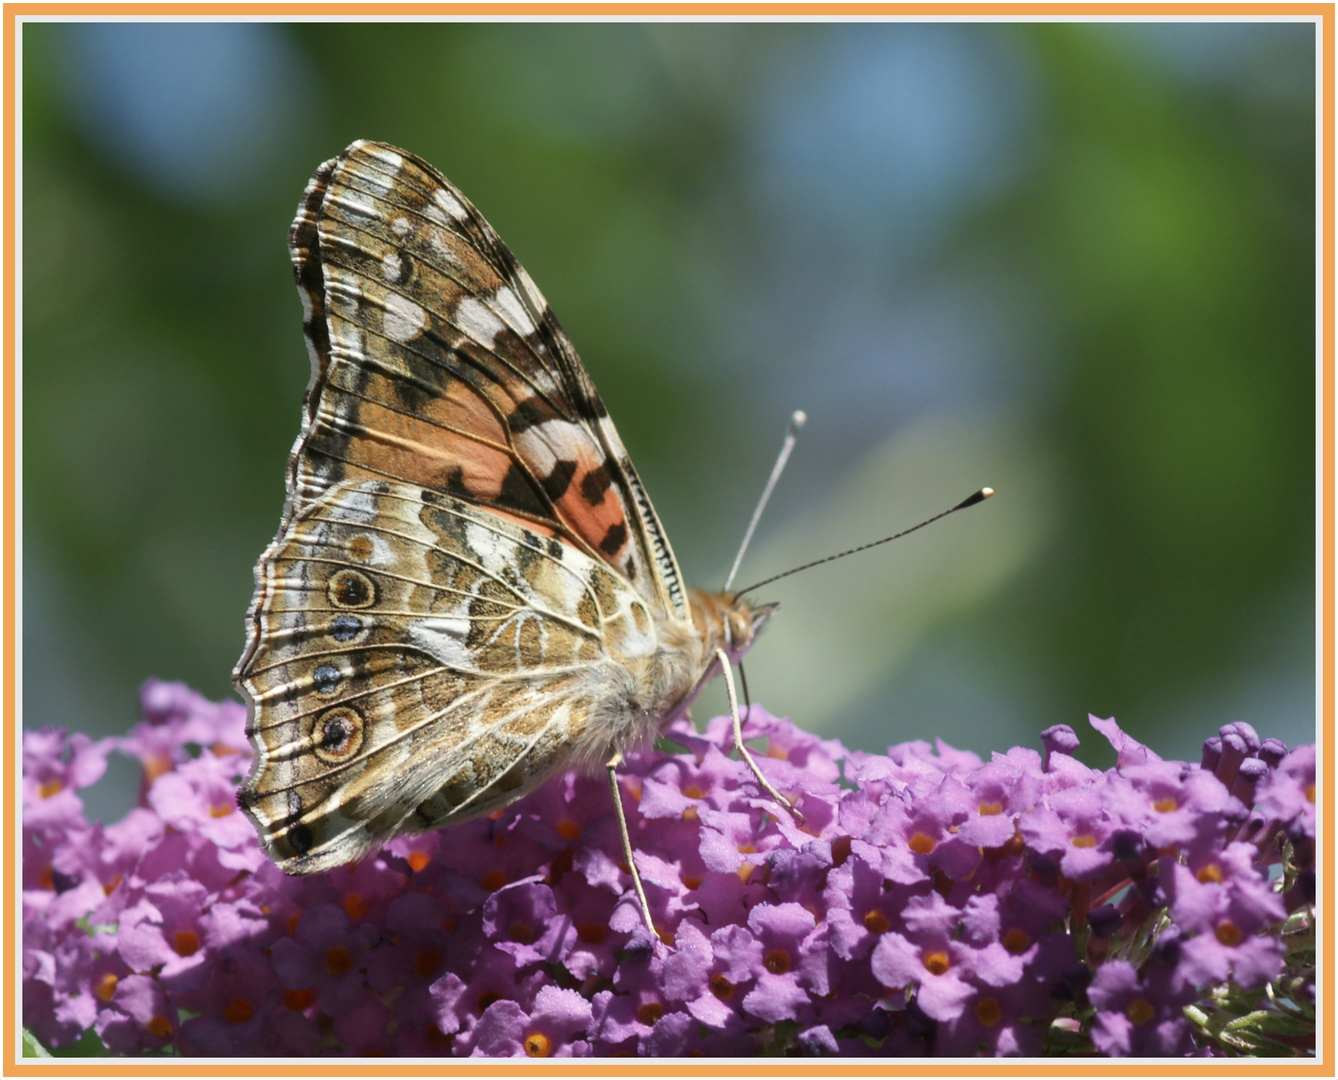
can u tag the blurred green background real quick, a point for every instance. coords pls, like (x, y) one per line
(1072, 262)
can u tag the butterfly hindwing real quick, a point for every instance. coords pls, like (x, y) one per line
(423, 662)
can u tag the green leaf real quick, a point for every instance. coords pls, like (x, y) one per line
(31, 1046)
(89, 1045)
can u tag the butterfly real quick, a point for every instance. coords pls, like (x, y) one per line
(469, 591)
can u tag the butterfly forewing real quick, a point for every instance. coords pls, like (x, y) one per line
(447, 369)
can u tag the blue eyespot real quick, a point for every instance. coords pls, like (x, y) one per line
(327, 677)
(346, 627)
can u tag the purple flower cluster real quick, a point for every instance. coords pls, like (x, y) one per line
(926, 904)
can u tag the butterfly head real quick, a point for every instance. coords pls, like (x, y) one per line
(725, 620)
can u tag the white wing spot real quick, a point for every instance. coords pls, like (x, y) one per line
(392, 266)
(402, 226)
(355, 507)
(377, 180)
(357, 204)
(492, 552)
(443, 639)
(404, 319)
(552, 441)
(450, 204)
(513, 311)
(532, 290)
(477, 320)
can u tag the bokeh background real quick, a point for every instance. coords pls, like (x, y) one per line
(1072, 262)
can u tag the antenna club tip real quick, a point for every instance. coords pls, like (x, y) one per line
(798, 419)
(979, 496)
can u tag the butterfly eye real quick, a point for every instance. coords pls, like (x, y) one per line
(351, 589)
(337, 735)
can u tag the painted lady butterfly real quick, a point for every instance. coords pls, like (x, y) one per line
(469, 590)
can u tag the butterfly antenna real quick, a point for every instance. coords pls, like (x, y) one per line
(979, 497)
(797, 421)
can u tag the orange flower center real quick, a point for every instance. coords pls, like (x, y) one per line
(160, 1027)
(425, 962)
(921, 844)
(1166, 805)
(1210, 874)
(537, 1044)
(418, 861)
(493, 880)
(185, 942)
(1227, 933)
(650, 1012)
(338, 960)
(49, 788)
(937, 963)
(721, 987)
(840, 850)
(106, 987)
(221, 809)
(990, 809)
(777, 961)
(520, 932)
(1139, 1012)
(876, 922)
(1017, 941)
(1084, 841)
(155, 765)
(988, 1012)
(567, 829)
(297, 1000)
(355, 907)
(237, 1011)
(591, 933)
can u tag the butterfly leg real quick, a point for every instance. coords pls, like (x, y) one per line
(628, 853)
(728, 672)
